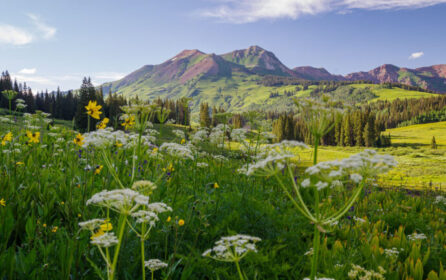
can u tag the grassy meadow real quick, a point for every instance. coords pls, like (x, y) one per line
(53, 186)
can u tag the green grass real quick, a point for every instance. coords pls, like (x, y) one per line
(44, 201)
(393, 93)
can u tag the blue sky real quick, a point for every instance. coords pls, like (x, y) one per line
(49, 43)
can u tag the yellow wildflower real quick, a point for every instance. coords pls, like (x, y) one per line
(54, 229)
(34, 137)
(129, 122)
(20, 163)
(79, 215)
(183, 141)
(7, 138)
(3, 202)
(181, 222)
(97, 234)
(98, 169)
(93, 110)
(106, 226)
(169, 219)
(79, 140)
(118, 144)
(44, 225)
(216, 186)
(103, 123)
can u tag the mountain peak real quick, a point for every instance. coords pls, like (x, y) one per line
(188, 53)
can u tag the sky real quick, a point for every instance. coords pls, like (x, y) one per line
(51, 43)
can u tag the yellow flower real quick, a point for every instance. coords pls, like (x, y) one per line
(118, 144)
(79, 140)
(169, 219)
(62, 203)
(34, 137)
(3, 202)
(129, 122)
(54, 229)
(20, 163)
(103, 124)
(183, 141)
(98, 169)
(79, 215)
(169, 168)
(7, 138)
(216, 186)
(93, 109)
(181, 222)
(97, 234)
(106, 227)
(44, 225)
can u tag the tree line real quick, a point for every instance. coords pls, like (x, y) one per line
(71, 105)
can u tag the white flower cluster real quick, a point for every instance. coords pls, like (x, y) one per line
(92, 224)
(391, 253)
(150, 216)
(358, 272)
(232, 248)
(202, 164)
(179, 133)
(155, 264)
(238, 134)
(358, 167)
(272, 158)
(108, 137)
(416, 236)
(200, 136)
(124, 201)
(105, 240)
(440, 200)
(177, 150)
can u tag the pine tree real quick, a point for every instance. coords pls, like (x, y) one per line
(87, 93)
(433, 143)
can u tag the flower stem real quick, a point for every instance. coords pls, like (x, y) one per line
(239, 271)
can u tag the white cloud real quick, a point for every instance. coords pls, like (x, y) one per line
(66, 82)
(46, 30)
(14, 35)
(416, 55)
(242, 11)
(28, 71)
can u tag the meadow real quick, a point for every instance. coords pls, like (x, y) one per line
(76, 206)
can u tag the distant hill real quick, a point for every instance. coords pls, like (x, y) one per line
(234, 80)
(431, 77)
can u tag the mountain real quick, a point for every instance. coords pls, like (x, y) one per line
(431, 77)
(316, 74)
(259, 61)
(236, 80)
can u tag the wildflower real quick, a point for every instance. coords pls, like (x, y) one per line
(93, 110)
(44, 225)
(124, 201)
(358, 272)
(97, 233)
(416, 236)
(216, 186)
(33, 137)
(79, 140)
(181, 222)
(183, 141)
(54, 229)
(232, 248)
(179, 133)
(169, 219)
(106, 226)
(98, 169)
(144, 186)
(3, 202)
(103, 123)
(20, 163)
(154, 264)
(105, 240)
(7, 138)
(92, 224)
(177, 150)
(118, 144)
(128, 122)
(202, 164)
